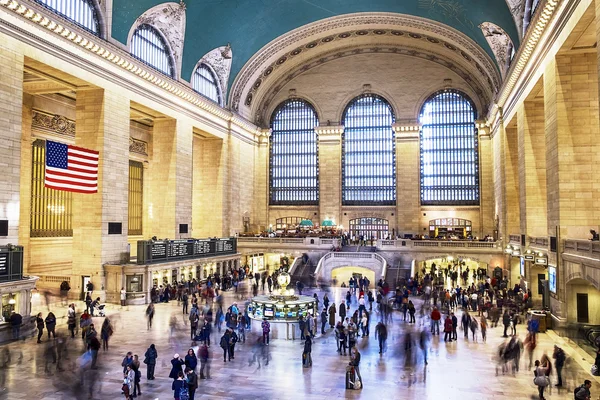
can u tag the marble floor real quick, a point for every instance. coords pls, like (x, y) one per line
(459, 370)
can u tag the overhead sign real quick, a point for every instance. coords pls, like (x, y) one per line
(172, 250)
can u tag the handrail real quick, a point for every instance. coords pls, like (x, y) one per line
(294, 265)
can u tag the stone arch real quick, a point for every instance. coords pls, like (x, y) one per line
(379, 92)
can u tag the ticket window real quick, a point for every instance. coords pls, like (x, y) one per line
(9, 304)
(135, 283)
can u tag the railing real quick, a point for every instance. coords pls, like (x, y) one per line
(352, 256)
(515, 239)
(585, 248)
(307, 241)
(538, 241)
(407, 244)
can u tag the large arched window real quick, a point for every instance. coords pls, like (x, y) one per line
(148, 46)
(205, 82)
(81, 12)
(368, 152)
(294, 164)
(449, 150)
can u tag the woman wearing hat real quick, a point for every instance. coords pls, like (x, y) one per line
(176, 363)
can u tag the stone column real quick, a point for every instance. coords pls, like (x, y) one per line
(209, 188)
(486, 185)
(532, 169)
(408, 179)
(330, 173)
(572, 145)
(170, 202)
(11, 125)
(261, 182)
(102, 124)
(25, 188)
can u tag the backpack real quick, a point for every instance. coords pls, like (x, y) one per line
(184, 394)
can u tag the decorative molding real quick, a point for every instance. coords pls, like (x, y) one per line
(406, 127)
(328, 130)
(396, 24)
(260, 116)
(500, 43)
(169, 19)
(53, 123)
(219, 60)
(70, 33)
(138, 146)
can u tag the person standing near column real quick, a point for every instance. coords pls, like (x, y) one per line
(266, 328)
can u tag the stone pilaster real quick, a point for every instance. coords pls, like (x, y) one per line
(532, 169)
(408, 180)
(11, 117)
(261, 181)
(572, 145)
(25, 188)
(486, 185)
(102, 124)
(511, 165)
(170, 202)
(330, 172)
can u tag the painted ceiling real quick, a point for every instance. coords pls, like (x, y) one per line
(250, 24)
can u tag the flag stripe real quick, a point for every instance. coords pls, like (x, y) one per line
(71, 168)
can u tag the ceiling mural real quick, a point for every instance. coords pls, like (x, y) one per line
(249, 25)
(500, 43)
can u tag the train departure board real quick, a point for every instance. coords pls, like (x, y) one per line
(153, 251)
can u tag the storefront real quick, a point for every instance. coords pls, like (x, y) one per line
(450, 228)
(138, 280)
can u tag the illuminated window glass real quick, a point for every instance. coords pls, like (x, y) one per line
(205, 82)
(449, 151)
(136, 197)
(81, 12)
(368, 152)
(148, 46)
(51, 210)
(293, 161)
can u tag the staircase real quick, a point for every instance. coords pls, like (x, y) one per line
(304, 272)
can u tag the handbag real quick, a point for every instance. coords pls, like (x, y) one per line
(594, 370)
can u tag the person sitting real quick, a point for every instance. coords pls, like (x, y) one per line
(595, 235)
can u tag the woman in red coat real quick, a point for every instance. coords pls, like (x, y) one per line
(448, 329)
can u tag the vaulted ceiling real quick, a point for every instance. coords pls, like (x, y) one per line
(249, 25)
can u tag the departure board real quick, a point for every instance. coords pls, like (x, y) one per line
(152, 251)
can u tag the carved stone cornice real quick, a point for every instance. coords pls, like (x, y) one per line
(329, 134)
(138, 146)
(52, 123)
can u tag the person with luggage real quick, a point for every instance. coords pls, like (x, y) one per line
(306, 354)
(355, 362)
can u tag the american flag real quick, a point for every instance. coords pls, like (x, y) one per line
(70, 168)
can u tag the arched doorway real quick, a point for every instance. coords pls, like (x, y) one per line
(378, 228)
(343, 274)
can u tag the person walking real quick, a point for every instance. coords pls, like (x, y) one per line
(191, 381)
(342, 311)
(150, 360)
(355, 362)
(94, 347)
(137, 376)
(185, 300)
(454, 326)
(381, 335)
(71, 319)
(306, 354)
(203, 356)
(436, 316)
(583, 392)
(150, 314)
(51, 324)
(39, 323)
(323, 320)
(224, 343)
(483, 326)
(448, 329)
(506, 322)
(411, 312)
(560, 357)
(541, 380)
(266, 329)
(332, 311)
(105, 333)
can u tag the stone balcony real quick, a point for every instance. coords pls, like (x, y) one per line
(582, 248)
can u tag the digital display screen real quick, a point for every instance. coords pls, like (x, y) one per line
(269, 311)
(552, 278)
(292, 314)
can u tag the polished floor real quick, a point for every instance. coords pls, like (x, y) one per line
(458, 370)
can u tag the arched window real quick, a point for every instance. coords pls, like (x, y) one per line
(81, 12)
(368, 152)
(205, 82)
(148, 46)
(293, 163)
(449, 150)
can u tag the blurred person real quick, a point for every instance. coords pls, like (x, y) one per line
(355, 362)
(266, 329)
(381, 335)
(71, 319)
(150, 314)
(424, 343)
(483, 326)
(583, 392)
(529, 344)
(448, 329)
(204, 357)
(306, 354)
(560, 357)
(454, 326)
(474, 326)
(435, 321)
(323, 319)
(541, 379)
(332, 312)
(94, 347)
(105, 333)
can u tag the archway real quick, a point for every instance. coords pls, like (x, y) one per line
(580, 295)
(343, 274)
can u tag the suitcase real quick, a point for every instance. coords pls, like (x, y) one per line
(350, 377)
